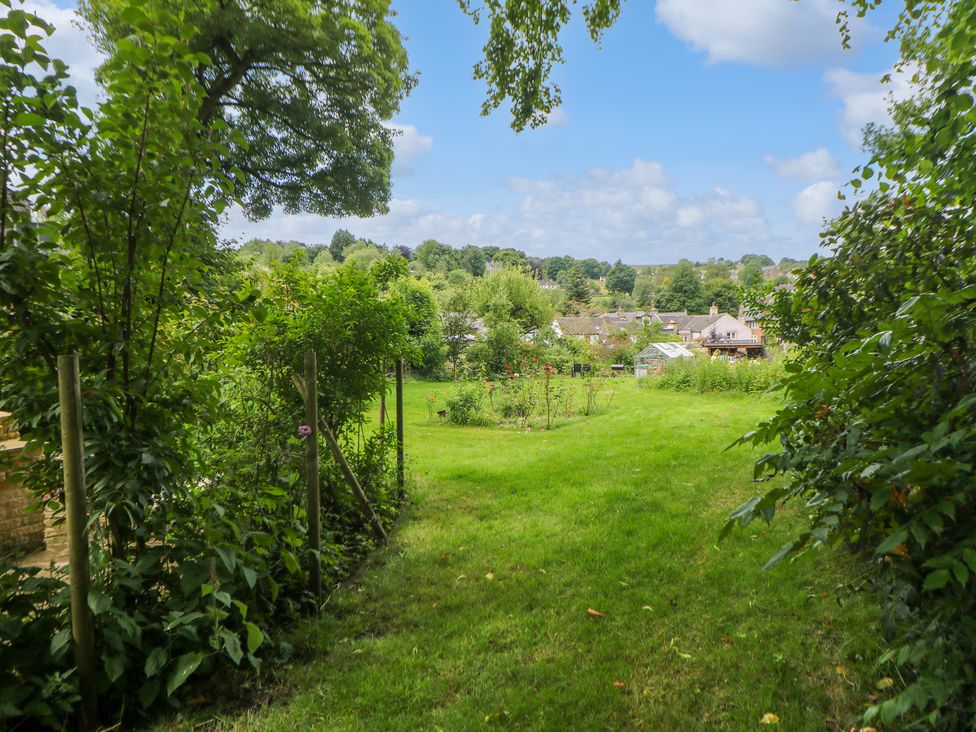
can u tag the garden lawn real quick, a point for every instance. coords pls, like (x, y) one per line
(478, 613)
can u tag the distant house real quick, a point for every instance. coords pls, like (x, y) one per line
(693, 328)
(656, 356)
(598, 328)
(547, 284)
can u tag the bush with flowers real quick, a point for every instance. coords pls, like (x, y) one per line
(528, 394)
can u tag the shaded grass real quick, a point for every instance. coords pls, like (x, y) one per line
(476, 615)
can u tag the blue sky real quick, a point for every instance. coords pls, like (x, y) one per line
(701, 128)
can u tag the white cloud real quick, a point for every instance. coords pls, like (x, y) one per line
(817, 202)
(71, 43)
(632, 212)
(765, 32)
(816, 165)
(865, 98)
(408, 147)
(557, 117)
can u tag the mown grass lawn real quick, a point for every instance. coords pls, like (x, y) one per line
(477, 614)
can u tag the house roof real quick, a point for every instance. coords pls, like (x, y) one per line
(668, 350)
(582, 325)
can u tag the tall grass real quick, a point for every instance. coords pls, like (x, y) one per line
(709, 375)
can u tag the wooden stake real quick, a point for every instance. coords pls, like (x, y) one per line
(311, 397)
(399, 426)
(76, 509)
(350, 476)
(383, 426)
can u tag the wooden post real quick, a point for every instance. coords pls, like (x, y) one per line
(73, 461)
(311, 397)
(399, 426)
(383, 426)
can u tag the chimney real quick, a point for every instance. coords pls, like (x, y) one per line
(713, 310)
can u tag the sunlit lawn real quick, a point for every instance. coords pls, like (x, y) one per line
(477, 614)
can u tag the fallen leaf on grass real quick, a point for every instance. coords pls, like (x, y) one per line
(726, 639)
(594, 613)
(647, 607)
(461, 577)
(885, 683)
(619, 684)
(490, 576)
(769, 718)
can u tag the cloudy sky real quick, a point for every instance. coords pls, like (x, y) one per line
(701, 128)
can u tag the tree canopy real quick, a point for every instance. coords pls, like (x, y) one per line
(306, 85)
(621, 278)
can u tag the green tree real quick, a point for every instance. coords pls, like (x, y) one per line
(472, 260)
(684, 291)
(457, 324)
(722, 292)
(436, 257)
(594, 269)
(341, 240)
(424, 335)
(363, 254)
(512, 295)
(511, 258)
(621, 278)
(305, 85)
(554, 266)
(763, 260)
(577, 285)
(751, 275)
(644, 291)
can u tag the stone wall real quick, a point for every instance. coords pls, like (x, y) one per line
(20, 530)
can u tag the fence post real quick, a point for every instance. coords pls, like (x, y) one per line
(399, 425)
(312, 474)
(383, 424)
(73, 461)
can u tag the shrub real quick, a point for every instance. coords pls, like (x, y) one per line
(711, 375)
(464, 405)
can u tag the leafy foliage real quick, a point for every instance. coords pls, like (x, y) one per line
(193, 467)
(750, 376)
(307, 86)
(877, 435)
(621, 278)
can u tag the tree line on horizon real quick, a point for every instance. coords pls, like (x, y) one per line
(577, 285)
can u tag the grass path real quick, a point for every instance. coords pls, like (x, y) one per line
(477, 614)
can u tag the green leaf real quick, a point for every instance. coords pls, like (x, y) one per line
(969, 555)
(227, 557)
(291, 563)
(114, 666)
(893, 541)
(28, 119)
(185, 666)
(254, 637)
(782, 553)
(98, 602)
(232, 645)
(250, 576)
(155, 661)
(936, 580)
(961, 573)
(60, 640)
(148, 692)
